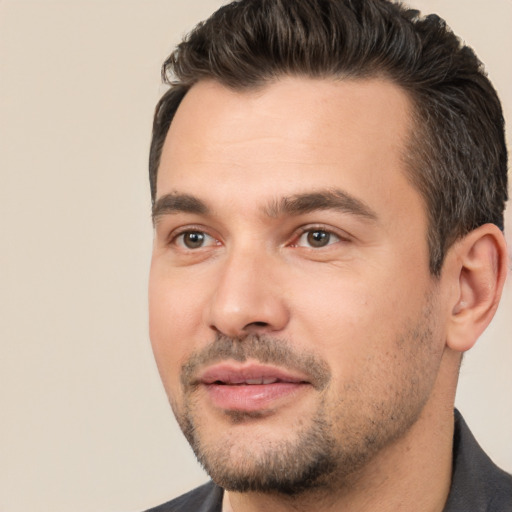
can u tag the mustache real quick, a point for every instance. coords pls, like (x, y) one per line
(264, 349)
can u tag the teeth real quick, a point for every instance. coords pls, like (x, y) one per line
(261, 380)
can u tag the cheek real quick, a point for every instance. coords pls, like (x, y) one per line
(341, 305)
(355, 319)
(173, 325)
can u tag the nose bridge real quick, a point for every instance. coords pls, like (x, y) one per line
(247, 297)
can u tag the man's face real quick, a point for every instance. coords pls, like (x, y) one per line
(291, 307)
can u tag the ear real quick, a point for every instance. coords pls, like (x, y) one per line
(477, 268)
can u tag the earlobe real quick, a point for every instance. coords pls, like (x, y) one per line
(478, 270)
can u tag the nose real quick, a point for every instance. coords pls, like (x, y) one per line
(248, 298)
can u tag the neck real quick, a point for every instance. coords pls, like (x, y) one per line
(413, 473)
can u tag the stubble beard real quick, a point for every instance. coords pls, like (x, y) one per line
(309, 460)
(312, 458)
(287, 467)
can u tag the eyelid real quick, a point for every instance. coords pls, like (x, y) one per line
(173, 236)
(341, 235)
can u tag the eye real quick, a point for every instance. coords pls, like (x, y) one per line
(317, 238)
(194, 240)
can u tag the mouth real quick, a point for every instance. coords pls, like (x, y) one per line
(250, 387)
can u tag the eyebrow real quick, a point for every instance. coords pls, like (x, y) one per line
(178, 203)
(331, 199)
(297, 204)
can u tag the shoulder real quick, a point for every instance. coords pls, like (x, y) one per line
(477, 483)
(207, 498)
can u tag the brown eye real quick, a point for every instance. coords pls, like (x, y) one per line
(317, 238)
(193, 239)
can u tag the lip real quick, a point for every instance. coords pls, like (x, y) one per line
(250, 387)
(230, 373)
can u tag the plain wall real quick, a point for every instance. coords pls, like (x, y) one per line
(85, 424)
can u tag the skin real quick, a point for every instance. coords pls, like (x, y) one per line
(363, 305)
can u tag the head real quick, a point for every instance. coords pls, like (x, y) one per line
(456, 153)
(324, 174)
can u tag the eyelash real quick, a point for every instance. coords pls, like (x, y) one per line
(319, 228)
(174, 238)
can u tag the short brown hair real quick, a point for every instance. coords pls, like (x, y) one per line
(456, 154)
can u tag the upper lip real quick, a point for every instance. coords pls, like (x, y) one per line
(250, 373)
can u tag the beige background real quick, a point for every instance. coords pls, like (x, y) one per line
(84, 423)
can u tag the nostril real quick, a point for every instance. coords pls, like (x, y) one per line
(256, 324)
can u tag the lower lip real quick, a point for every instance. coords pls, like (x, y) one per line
(251, 398)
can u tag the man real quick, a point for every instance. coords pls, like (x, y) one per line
(328, 181)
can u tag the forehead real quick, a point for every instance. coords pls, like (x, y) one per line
(288, 137)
